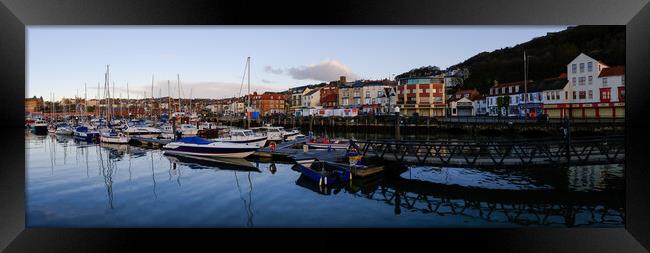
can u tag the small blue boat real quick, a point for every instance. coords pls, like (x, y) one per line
(325, 173)
(84, 134)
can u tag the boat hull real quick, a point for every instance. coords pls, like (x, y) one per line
(114, 139)
(209, 151)
(39, 129)
(328, 145)
(325, 177)
(257, 142)
(86, 136)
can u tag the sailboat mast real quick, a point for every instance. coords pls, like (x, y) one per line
(169, 100)
(128, 100)
(179, 91)
(85, 99)
(248, 63)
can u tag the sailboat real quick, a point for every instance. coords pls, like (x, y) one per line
(112, 135)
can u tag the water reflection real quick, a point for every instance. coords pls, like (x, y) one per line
(587, 196)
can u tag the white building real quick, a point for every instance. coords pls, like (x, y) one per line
(595, 90)
(311, 99)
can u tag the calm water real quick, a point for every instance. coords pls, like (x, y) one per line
(72, 184)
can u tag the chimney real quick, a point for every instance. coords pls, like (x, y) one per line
(342, 79)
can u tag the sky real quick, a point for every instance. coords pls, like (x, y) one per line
(210, 60)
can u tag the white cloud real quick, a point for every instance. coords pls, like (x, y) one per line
(323, 71)
(273, 70)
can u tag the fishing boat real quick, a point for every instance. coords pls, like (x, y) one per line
(244, 136)
(85, 134)
(113, 136)
(39, 127)
(63, 129)
(325, 173)
(198, 146)
(326, 143)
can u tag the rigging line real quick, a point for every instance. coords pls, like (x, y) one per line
(243, 77)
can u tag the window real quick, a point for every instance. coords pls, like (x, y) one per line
(581, 80)
(574, 95)
(591, 80)
(582, 67)
(503, 89)
(573, 68)
(590, 66)
(605, 94)
(573, 80)
(621, 94)
(548, 97)
(583, 94)
(566, 95)
(591, 94)
(604, 81)
(510, 89)
(622, 80)
(517, 88)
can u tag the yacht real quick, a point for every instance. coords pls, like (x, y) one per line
(244, 136)
(39, 127)
(141, 130)
(197, 146)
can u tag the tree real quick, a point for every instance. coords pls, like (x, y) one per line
(502, 102)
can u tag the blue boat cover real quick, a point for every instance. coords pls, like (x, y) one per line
(82, 129)
(194, 140)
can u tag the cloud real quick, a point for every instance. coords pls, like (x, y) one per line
(272, 70)
(266, 81)
(323, 71)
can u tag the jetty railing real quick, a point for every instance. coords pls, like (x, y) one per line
(486, 152)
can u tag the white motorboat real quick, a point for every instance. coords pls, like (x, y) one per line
(114, 137)
(245, 137)
(142, 131)
(64, 129)
(197, 146)
(272, 133)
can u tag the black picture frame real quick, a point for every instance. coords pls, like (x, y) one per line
(15, 15)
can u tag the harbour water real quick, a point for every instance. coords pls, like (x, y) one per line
(73, 184)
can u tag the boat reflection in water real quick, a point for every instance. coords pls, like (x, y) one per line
(198, 162)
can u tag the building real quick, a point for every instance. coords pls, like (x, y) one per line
(424, 96)
(504, 99)
(594, 90)
(271, 103)
(350, 95)
(311, 99)
(374, 98)
(481, 106)
(329, 95)
(295, 97)
(33, 104)
(463, 102)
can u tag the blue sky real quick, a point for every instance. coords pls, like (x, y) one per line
(210, 59)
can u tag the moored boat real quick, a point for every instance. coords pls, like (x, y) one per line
(64, 129)
(113, 136)
(85, 134)
(244, 136)
(326, 143)
(198, 146)
(325, 172)
(39, 127)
